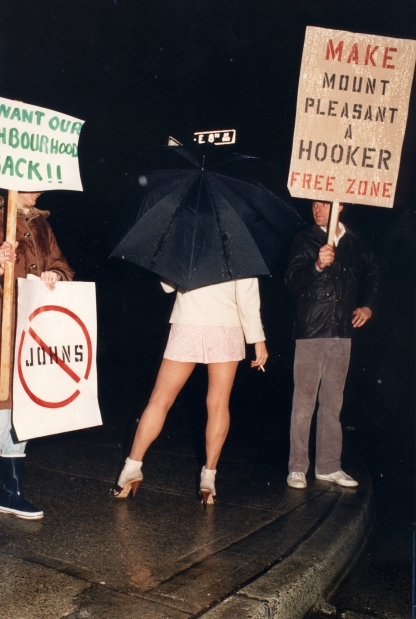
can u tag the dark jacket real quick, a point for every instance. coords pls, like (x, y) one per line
(326, 300)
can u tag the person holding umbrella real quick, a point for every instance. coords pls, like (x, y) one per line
(208, 326)
(206, 225)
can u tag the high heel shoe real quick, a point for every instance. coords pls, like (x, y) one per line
(129, 481)
(207, 492)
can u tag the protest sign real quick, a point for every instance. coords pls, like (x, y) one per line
(55, 376)
(351, 116)
(38, 148)
(38, 152)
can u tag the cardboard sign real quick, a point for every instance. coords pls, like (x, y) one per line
(55, 376)
(38, 148)
(351, 116)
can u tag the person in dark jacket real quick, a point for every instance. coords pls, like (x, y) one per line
(336, 289)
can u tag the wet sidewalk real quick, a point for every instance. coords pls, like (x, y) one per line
(263, 550)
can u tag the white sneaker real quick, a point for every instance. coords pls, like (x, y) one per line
(296, 480)
(339, 477)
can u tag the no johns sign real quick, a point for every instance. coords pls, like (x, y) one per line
(55, 378)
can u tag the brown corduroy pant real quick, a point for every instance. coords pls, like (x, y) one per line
(320, 370)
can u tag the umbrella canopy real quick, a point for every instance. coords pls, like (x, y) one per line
(202, 219)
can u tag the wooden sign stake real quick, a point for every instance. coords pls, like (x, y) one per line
(333, 223)
(8, 297)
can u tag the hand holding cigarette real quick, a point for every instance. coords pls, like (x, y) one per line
(261, 356)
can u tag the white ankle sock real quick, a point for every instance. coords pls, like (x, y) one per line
(208, 480)
(132, 470)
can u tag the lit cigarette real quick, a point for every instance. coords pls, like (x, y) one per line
(262, 368)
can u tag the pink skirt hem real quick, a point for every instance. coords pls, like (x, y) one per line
(198, 344)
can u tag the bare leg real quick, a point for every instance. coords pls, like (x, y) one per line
(221, 378)
(170, 380)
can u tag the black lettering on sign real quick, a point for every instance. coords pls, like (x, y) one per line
(343, 82)
(392, 110)
(337, 153)
(385, 82)
(356, 84)
(78, 354)
(329, 81)
(320, 151)
(331, 109)
(318, 108)
(368, 115)
(367, 157)
(305, 150)
(384, 156)
(381, 114)
(371, 86)
(53, 353)
(348, 133)
(31, 358)
(344, 111)
(309, 103)
(66, 353)
(350, 155)
(44, 356)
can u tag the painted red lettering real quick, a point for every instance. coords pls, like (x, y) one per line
(386, 189)
(353, 57)
(386, 57)
(362, 188)
(316, 184)
(329, 183)
(369, 55)
(352, 183)
(293, 178)
(306, 181)
(375, 188)
(333, 52)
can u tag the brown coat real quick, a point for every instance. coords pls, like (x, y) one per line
(37, 251)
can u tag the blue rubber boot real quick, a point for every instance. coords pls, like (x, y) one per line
(12, 500)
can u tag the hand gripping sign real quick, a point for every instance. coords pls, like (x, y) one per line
(55, 378)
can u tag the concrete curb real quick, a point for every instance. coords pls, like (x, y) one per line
(293, 586)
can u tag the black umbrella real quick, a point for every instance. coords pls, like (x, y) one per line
(202, 219)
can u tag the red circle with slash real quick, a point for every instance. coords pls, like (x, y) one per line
(59, 361)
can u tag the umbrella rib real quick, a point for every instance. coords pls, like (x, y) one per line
(218, 219)
(218, 185)
(162, 239)
(258, 185)
(194, 231)
(255, 209)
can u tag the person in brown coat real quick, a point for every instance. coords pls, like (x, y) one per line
(36, 252)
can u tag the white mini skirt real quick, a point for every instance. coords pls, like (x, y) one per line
(198, 344)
